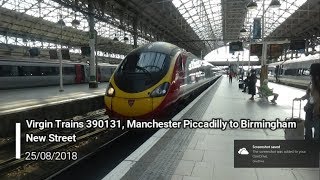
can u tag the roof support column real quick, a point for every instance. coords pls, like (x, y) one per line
(264, 66)
(135, 32)
(92, 37)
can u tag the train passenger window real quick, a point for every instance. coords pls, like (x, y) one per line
(29, 70)
(6, 70)
(49, 71)
(68, 71)
(306, 72)
(292, 72)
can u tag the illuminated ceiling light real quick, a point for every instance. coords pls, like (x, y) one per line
(252, 5)
(275, 4)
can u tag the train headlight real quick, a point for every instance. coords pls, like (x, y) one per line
(110, 91)
(160, 90)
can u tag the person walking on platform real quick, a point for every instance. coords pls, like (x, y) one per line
(230, 77)
(252, 84)
(308, 108)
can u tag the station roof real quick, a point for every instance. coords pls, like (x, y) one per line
(199, 26)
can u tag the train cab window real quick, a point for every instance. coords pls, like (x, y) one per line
(141, 70)
(6, 70)
(151, 61)
(144, 62)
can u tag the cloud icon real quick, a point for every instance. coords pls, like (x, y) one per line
(243, 151)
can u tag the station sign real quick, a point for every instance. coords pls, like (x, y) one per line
(274, 50)
(256, 50)
(235, 46)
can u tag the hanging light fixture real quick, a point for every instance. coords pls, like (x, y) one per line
(243, 30)
(75, 22)
(61, 22)
(252, 5)
(125, 37)
(115, 38)
(275, 4)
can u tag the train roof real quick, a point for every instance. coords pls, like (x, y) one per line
(275, 64)
(206, 63)
(302, 62)
(162, 47)
(304, 58)
(30, 60)
(107, 64)
(45, 61)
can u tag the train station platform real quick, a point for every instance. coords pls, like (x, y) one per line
(208, 154)
(13, 100)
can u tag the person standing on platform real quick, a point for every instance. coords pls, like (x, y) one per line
(230, 77)
(315, 97)
(308, 108)
(252, 84)
(246, 82)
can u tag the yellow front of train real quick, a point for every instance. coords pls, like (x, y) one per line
(139, 85)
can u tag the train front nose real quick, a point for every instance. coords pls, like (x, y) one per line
(132, 107)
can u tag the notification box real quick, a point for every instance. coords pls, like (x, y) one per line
(276, 154)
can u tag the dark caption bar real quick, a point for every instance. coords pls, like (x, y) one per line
(276, 154)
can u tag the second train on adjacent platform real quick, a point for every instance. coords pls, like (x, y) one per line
(293, 72)
(22, 73)
(152, 78)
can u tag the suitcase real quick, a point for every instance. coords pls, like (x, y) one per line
(295, 134)
(241, 85)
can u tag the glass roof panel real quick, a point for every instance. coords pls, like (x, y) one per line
(204, 16)
(52, 11)
(273, 16)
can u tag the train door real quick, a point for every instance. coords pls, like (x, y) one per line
(179, 76)
(98, 74)
(181, 69)
(79, 73)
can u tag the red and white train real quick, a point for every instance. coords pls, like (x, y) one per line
(152, 78)
(22, 73)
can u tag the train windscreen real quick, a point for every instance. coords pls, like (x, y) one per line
(140, 71)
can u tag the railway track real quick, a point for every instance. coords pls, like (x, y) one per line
(87, 142)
